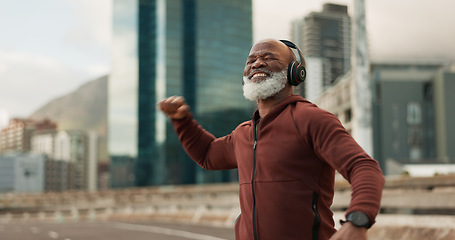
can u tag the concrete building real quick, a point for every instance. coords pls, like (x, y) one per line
(161, 48)
(338, 100)
(444, 102)
(17, 135)
(43, 141)
(413, 103)
(313, 86)
(72, 159)
(324, 35)
(56, 176)
(75, 148)
(121, 170)
(92, 161)
(22, 172)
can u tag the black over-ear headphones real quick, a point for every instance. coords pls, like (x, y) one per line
(296, 70)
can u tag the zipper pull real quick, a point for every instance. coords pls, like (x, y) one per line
(255, 143)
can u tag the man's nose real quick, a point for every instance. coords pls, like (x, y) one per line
(258, 63)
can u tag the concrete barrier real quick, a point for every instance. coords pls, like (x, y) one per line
(217, 204)
(406, 227)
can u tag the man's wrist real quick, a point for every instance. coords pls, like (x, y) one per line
(181, 118)
(358, 219)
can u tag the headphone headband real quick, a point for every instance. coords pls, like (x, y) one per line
(292, 45)
(296, 70)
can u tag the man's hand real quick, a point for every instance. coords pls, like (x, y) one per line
(350, 232)
(174, 107)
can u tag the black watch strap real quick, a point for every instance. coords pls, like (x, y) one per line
(359, 219)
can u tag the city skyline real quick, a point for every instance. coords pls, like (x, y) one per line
(55, 47)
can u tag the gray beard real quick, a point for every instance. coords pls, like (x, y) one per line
(264, 89)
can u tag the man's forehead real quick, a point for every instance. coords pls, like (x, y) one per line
(262, 53)
(267, 48)
(265, 45)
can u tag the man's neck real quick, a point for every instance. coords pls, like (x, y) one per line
(266, 106)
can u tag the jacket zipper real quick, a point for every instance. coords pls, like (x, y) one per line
(255, 133)
(317, 218)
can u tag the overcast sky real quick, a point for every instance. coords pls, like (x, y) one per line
(50, 47)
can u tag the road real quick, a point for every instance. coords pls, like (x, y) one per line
(112, 231)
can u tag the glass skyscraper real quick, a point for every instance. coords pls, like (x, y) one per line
(194, 48)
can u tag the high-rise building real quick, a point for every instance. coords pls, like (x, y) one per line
(326, 36)
(175, 47)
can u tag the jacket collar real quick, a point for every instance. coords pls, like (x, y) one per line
(279, 108)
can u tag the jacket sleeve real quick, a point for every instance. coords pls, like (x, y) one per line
(334, 145)
(209, 152)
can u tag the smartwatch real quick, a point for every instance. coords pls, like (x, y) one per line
(359, 219)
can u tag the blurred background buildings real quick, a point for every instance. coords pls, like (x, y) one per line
(37, 157)
(411, 100)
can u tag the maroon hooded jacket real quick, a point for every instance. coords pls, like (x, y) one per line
(286, 163)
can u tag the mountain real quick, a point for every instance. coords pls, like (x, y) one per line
(85, 109)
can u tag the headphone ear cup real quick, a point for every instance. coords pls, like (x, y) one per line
(296, 73)
(296, 70)
(300, 73)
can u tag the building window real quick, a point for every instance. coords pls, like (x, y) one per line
(348, 115)
(414, 115)
(415, 133)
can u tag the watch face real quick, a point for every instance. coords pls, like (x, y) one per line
(359, 219)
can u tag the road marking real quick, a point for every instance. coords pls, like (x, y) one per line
(53, 234)
(165, 231)
(34, 230)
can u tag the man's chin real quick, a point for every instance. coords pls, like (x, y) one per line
(264, 89)
(255, 95)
